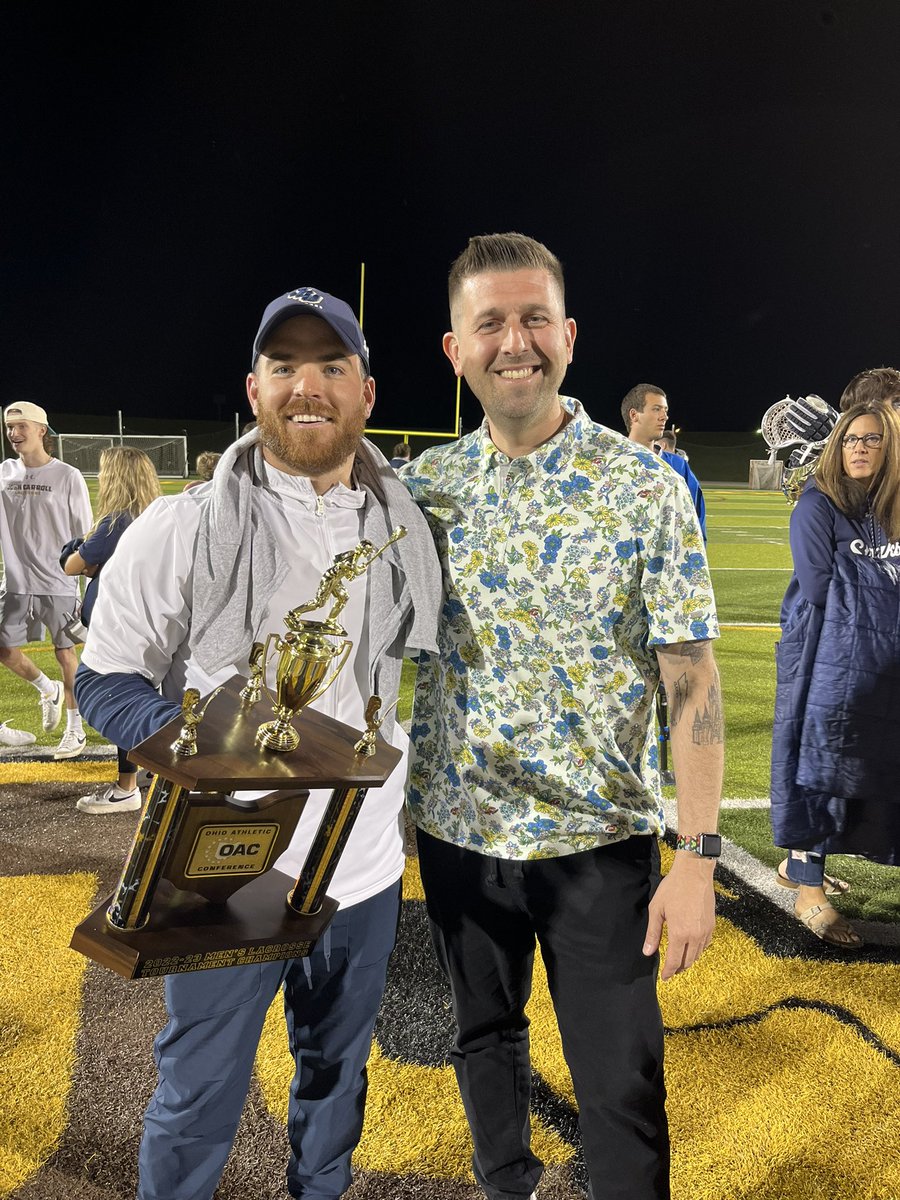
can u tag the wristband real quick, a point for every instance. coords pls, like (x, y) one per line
(707, 845)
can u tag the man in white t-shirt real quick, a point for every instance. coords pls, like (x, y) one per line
(241, 551)
(43, 504)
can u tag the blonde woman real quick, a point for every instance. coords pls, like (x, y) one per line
(126, 484)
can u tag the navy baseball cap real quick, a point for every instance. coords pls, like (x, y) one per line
(309, 301)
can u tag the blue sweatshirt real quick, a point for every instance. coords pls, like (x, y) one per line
(680, 467)
(819, 531)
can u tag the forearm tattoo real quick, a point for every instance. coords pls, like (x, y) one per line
(707, 722)
(709, 725)
(693, 650)
(677, 697)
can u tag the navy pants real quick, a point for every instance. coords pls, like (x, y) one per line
(588, 912)
(806, 867)
(206, 1052)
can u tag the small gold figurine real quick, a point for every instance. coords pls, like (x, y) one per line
(185, 745)
(346, 566)
(253, 690)
(365, 747)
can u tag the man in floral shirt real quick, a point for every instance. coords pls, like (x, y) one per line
(575, 579)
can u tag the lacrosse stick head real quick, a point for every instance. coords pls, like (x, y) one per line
(776, 431)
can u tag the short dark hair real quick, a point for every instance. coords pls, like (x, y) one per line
(879, 384)
(636, 398)
(668, 435)
(401, 450)
(503, 252)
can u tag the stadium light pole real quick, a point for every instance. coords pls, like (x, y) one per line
(121, 430)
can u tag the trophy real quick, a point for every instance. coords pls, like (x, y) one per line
(196, 890)
(303, 661)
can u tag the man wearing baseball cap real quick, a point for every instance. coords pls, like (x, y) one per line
(43, 504)
(241, 551)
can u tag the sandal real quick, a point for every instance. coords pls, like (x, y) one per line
(828, 924)
(832, 885)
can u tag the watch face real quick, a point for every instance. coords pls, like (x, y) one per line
(710, 845)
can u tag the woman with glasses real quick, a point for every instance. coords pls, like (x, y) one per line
(836, 737)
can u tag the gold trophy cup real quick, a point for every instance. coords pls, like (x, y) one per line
(300, 677)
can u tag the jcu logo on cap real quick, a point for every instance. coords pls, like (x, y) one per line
(306, 296)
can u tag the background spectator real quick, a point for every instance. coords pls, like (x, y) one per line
(877, 383)
(401, 455)
(833, 776)
(205, 465)
(126, 485)
(645, 410)
(667, 443)
(42, 503)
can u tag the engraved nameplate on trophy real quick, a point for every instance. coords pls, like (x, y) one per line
(197, 890)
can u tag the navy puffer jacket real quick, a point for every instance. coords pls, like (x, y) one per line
(836, 738)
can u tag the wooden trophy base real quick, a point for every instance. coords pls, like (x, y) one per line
(255, 925)
(198, 890)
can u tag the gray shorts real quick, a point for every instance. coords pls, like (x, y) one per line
(23, 617)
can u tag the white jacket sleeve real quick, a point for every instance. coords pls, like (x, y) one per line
(143, 610)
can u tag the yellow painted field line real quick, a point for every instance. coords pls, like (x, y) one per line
(68, 771)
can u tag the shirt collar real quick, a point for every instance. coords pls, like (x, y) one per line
(299, 488)
(549, 457)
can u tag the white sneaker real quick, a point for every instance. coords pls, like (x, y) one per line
(110, 800)
(71, 744)
(14, 737)
(52, 708)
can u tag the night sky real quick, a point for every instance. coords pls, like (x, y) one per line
(719, 179)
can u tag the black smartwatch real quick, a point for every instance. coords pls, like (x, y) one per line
(707, 845)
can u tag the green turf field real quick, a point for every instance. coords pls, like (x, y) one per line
(750, 561)
(748, 553)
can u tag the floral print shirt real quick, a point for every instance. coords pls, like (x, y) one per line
(533, 731)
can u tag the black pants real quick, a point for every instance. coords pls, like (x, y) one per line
(126, 766)
(588, 912)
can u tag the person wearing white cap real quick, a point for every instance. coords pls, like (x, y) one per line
(43, 503)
